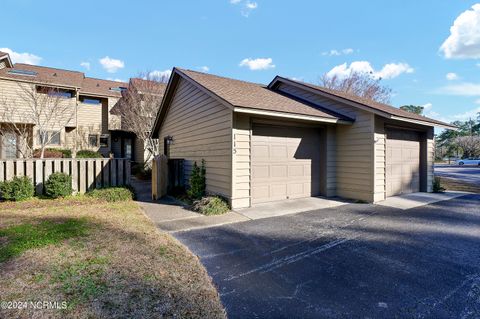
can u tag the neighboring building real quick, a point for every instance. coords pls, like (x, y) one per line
(92, 126)
(140, 91)
(292, 140)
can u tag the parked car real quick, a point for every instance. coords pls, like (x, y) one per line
(468, 161)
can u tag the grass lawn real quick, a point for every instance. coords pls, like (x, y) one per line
(105, 260)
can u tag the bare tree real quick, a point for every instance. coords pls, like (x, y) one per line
(47, 109)
(470, 145)
(138, 108)
(360, 84)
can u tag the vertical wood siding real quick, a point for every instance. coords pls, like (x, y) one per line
(202, 129)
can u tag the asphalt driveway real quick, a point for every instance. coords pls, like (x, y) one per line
(466, 173)
(356, 260)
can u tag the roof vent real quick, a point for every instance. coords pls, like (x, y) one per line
(98, 85)
(55, 74)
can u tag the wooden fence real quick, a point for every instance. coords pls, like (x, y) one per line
(159, 177)
(87, 173)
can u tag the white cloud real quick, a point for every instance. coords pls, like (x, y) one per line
(451, 76)
(334, 52)
(247, 6)
(27, 58)
(470, 114)
(427, 106)
(258, 64)
(156, 74)
(389, 71)
(464, 39)
(111, 65)
(86, 65)
(477, 101)
(204, 68)
(462, 89)
(116, 80)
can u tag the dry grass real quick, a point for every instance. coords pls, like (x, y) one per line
(456, 185)
(118, 266)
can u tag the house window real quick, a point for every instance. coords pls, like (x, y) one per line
(55, 92)
(88, 100)
(92, 140)
(49, 137)
(118, 89)
(9, 145)
(22, 72)
(103, 141)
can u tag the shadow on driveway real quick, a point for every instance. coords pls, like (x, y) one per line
(356, 260)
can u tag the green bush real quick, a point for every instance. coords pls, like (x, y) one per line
(211, 205)
(88, 154)
(112, 194)
(58, 185)
(53, 153)
(17, 189)
(437, 187)
(197, 181)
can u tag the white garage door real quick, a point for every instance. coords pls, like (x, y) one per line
(403, 162)
(285, 163)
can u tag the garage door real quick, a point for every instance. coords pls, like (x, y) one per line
(285, 163)
(403, 162)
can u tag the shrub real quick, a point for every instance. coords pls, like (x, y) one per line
(197, 181)
(112, 194)
(58, 185)
(88, 154)
(211, 205)
(53, 153)
(437, 187)
(17, 189)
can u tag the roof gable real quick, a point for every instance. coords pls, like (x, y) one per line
(242, 96)
(381, 109)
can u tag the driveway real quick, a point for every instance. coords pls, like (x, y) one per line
(356, 260)
(468, 174)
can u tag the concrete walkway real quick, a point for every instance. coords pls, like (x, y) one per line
(170, 215)
(292, 206)
(413, 200)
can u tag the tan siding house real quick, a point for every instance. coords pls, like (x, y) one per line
(292, 140)
(87, 123)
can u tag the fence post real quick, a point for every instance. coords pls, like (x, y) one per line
(39, 176)
(75, 175)
(98, 173)
(120, 172)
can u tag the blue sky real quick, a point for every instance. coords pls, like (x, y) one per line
(256, 40)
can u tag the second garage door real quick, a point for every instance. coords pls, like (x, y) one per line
(403, 162)
(285, 163)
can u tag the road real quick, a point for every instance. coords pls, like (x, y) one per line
(469, 174)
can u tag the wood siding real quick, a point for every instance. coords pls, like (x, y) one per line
(353, 147)
(241, 161)
(202, 129)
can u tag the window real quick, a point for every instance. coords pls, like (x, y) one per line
(118, 89)
(89, 100)
(49, 137)
(23, 72)
(92, 140)
(104, 141)
(55, 92)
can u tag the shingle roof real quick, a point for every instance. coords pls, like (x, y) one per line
(369, 103)
(148, 86)
(101, 87)
(256, 96)
(63, 78)
(45, 75)
(3, 53)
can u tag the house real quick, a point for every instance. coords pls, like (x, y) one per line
(136, 110)
(86, 124)
(290, 139)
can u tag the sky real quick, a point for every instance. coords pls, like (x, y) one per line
(427, 51)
